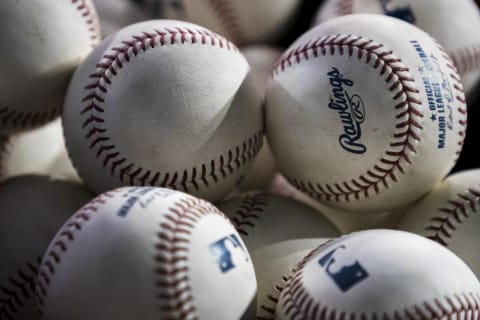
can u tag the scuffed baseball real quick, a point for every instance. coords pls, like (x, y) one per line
(31, 152)
(364, 118)
(449, 215)
(377, 274)
(450, 22)
(163, 103)
(177, 255)
(33, 208)
(242, 21)
(43, 41)
(261, 60)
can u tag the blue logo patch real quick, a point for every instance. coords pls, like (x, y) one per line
(227, 252)
(348, 275)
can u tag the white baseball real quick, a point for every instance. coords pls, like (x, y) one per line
(381, 274)
(273, 264)
(146, 253)
(365, 118)
(33, 208)
(346, 221)
(31, 152)
(116, 14)
(450, 215)
(43, 41)
(261, 59)
(163, 103)
(450, 22)
(264, 218)
(242, 21)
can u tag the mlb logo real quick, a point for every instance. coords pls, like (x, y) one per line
(344, 275)
(228, 252)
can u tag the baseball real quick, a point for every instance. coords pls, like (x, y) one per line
(31, 152)
(163, 103)
(449, 215)
(43, 41)
(184, 260)
(261, 60)
(364, 118)
(346, 221)
(380, 274)
(264, 218)
(450, 22)
(116, 14)
(242, 21)
(33, 208)
(273, 264)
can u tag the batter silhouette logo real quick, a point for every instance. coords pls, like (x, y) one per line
(228, 252)
(345, 276)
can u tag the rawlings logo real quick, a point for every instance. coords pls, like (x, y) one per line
(351, 111)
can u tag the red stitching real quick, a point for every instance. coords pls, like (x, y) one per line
(273, 297)
(67, 234)
(466, 59)
(25, 119)
(228, 17)
(22, 119)
(174, 291)
(106, 150)
(248, 212)
(459, 209)
(90, 19)
(299, 304)
(408, 114)
(20, 287)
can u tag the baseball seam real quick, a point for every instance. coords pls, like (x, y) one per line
(66, 235)
(90, 20)
(100, 141)
(173, 283)
(467, 58)
(299, 304)
(20, 287)
(460, 208)
(409, 115)
(228, 17)
(24, 119)
(248, 212)
(274, 295)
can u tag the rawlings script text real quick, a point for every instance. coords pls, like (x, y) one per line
(351, 111)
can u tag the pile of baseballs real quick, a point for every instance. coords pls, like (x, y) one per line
(215, 160)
